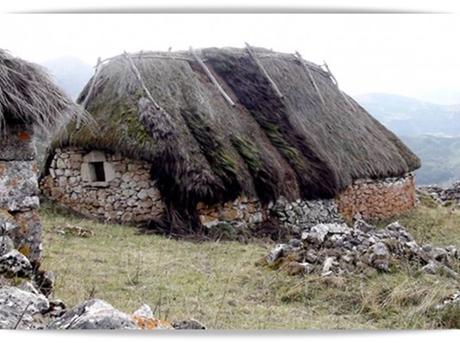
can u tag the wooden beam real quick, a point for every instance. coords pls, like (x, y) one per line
(264, 71)
(141, 82)
(337, 84)
(90, 90)
(212, 78)
(310, 75)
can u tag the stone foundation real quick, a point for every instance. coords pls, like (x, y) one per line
(19, 192)
(126, 195)
(377, 199)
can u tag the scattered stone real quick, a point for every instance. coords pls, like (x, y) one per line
(75, 230)
(334, 249)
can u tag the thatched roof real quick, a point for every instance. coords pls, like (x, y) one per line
(28, 96)
(203, 149)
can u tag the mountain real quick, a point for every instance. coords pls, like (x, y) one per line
(430, 130)
(412, 117)
(70, 73)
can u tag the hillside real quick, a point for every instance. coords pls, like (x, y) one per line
(440, 158)
(431, 131)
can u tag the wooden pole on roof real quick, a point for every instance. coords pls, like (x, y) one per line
(337, 84)
(139, 78)
(310, 75)
(212, 78)
(263, 70)
(90, 90)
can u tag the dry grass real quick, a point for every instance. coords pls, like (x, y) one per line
(219, 284)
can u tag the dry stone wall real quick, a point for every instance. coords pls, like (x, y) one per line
(19, 191)
(377, 199)
(127, 195)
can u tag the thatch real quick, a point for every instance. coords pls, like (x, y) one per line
(203, 149)
(29, 97)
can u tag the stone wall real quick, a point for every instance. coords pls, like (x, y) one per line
(129, 195)
(444, 196)
(126, 195)
(19, 192)
(294, 216)
(377, 199)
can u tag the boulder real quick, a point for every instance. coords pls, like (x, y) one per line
(20, 309)
(94, 314)
(15, 264)
(6, 245)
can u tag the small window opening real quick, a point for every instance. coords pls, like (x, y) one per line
(97, 172)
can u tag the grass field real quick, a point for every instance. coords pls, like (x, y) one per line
(219, 284)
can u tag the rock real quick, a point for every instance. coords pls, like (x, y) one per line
(295, 268)
(327, 265)
(144, 319)
(21, 309)
(311, 256)
(144, 311)
(295, 243)
(380, 256)
(7, 223)
(28, 287)
(452, 251)
(431, 268)
(191, 324)
(94, 314)
(316, 235)
(277, 252)
(439, 254)
(6, 245)
(57, 308)
(45, 281)
(363, 226)
(15, 264)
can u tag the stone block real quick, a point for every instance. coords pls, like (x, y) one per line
(18, 185)
(16, 144)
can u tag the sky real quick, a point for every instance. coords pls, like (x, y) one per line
(415, 55)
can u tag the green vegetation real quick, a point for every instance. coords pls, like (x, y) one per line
(219, 283)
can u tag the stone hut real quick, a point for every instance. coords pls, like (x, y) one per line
(29, 102)
(190, 140)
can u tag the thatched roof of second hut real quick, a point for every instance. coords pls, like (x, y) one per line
(28, 96)
(312, 143)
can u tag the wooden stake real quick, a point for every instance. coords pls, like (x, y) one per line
(212, 78)
(139, 78)
(310, 75)
(337, 84)
(90, 90)
(262, 69)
